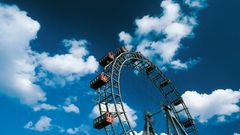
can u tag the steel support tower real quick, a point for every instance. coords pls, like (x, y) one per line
(148, 127)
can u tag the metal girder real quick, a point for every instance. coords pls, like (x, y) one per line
(111, 92)
(173, 123)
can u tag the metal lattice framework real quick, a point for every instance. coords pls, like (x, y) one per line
(111, 93)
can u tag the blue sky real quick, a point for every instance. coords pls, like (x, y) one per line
(49, 52)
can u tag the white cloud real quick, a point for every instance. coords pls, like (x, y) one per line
(67, 107)
(177, 64)
(196, 3)
(60, 129)
(236, 134)
(159, 37)
(173, 24)
(126, 39)
(44, 106)
(147, 24)
(90, 93)
(71, 108)
(75, 62)
(17, 64)
(219, 103)
(28, 125)
(72, 130)
(71, 99)
(43, 124)
(131, 114)
(83, 128)
(221, 119)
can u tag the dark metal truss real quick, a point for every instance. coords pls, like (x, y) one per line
(111, 93)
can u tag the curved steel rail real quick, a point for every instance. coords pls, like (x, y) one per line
(111, 92)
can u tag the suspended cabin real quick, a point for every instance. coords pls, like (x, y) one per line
(106, 59)
(120, 50)
(178, 102)
(137, 56)
(165, 83)
(188, 123)
(150, 68)
(103, 120)
(99, 81)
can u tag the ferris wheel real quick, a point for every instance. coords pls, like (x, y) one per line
(110, 103)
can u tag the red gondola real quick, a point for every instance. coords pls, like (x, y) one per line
(120, 50)
(99, 81)
(103, 120)
(106, 59)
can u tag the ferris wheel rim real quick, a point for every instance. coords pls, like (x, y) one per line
(112, 67)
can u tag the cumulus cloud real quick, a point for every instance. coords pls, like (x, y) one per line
(43, 124)
(75, 62)
(17, 64)
(221, 119)
(159, 37)
(71, 99)
(147, 24)
(219, 103)
(131, 114)
(69, 106)
(177, 64)
(20, 76)
(173, 25)
(196, 3)
(236, 134)
(70, 66)
(82, 129)
(44, 106)
(126, 39)
(72, 130)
